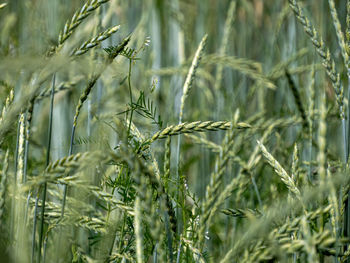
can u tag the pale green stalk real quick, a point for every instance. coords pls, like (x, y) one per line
(21, 150)
(347, 135)
(138, 231)
(311, 110)
(3, 186)
(48, 150)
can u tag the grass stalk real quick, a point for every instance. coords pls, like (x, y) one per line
(48, 150)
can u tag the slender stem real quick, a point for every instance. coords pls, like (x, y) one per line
(12, 226)
(155, 255)
(257, 192)
(47, 163)
(65, 186)
(179, 253)
(34, 225)
(169, 236)
(178, 209)
(346, 130)
(130, 94)
(26, 150)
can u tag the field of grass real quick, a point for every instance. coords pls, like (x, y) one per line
(174, 131)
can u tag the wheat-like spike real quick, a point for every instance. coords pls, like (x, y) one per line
(322, 240)
(72, 217)
(322, 132)
(191, 74)
(80, 206)
(345, 256)
(171, 213)
(241, 213)
(60, 168)
(77, 19)
(323, 52)
(241, 181)
(294, 224)
(286, 179)
(282, 236)
(232, 61)
(295, 163)
(91, 223)
(96, 191)
(83, 98)
(227, 30)
(247, 67)
(197, 126)
(260, 253)
(93, 42)
(339, 32)
(167, 157)
(309, 244)
(107, 197)
(333, 200)
(3, 184)
(8, 103)
(345, 191)
(297, 98)
(138, 230)
(347, 31)
(29, 117)
(94, 79)
(86, 222)
(311, 91)
(20, 157)
(72, 161)
(198, 256)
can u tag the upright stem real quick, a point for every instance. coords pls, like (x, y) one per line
(178, 179)
(65, 186)
(47, 163)
(26, 149)
(130, 94)
(12, 222)
(346, 130)
(346, 140)
(34, 225)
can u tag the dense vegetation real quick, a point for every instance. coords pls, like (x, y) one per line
(174, 131)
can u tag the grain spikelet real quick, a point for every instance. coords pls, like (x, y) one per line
(324, 53)
(191, 74)
(286, 179)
